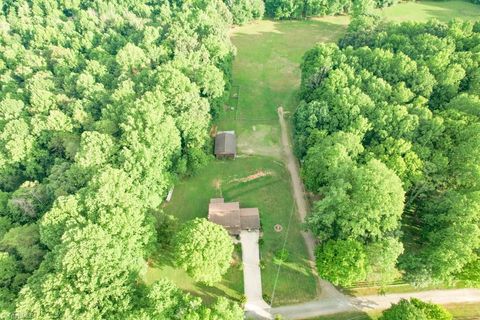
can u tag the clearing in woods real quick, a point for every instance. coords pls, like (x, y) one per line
(267, 75)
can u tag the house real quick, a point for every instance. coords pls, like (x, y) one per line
(226, 144)
(233, 218)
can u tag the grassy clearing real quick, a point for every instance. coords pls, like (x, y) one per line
(425, 10)
(271, 194)
(267, 64)
(266, 71)
(267, 74)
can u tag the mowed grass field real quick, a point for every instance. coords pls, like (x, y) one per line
(255, 182)
(467, 311)
(267, 75)
(425, 10)
(267, 64)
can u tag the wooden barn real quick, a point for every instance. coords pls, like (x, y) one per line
(226, 145)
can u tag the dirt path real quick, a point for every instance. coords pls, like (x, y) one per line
(330, 300)
(324, 288)
(326, 307)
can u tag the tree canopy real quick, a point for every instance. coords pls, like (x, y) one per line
(103, 104)
(415, 309)
(387, 136)
(204, 249)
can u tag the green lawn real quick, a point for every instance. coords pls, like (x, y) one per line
(267, 72)
(400, 288)
(267, 64)
(425, 10)
(231, 286)
(235, 181)
(466, 311)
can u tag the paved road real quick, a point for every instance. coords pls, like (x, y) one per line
(331, 306)
(255, 305)
(323, 307)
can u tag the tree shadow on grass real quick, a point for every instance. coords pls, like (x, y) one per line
(448, 10)
(161, 258)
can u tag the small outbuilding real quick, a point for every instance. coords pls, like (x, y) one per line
(233, 218)
(226, 144)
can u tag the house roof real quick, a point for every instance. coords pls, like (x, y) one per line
(225, 143)
(226, 215)
(249, 219)
(231, 217)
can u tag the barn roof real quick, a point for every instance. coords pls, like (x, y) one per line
(225, 143)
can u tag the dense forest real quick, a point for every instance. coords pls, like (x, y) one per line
(388, 134)
(103, 104)
(299, 9)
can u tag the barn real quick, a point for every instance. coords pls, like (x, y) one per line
(225, 145)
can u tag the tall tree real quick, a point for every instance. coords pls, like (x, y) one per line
(341, 261)
(363, 202)
(415, 309)
(204, 249)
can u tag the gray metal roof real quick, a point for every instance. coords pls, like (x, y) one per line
(226, 143)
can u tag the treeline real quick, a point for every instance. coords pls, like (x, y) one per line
(388, 136)
(300, 9)
(245, 10)
(102, 105)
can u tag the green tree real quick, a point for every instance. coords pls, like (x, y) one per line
(327, 155)
(8, 268)
(415, 309)
(362, 203)
(24, 243)
(224, 309)
(166, 301)
(87, 276)
(204, 250)
(63, 216)
(245, 10)
(95, 149)
(408, 91)
(382, 261)
(99, 101)
(342, 262)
